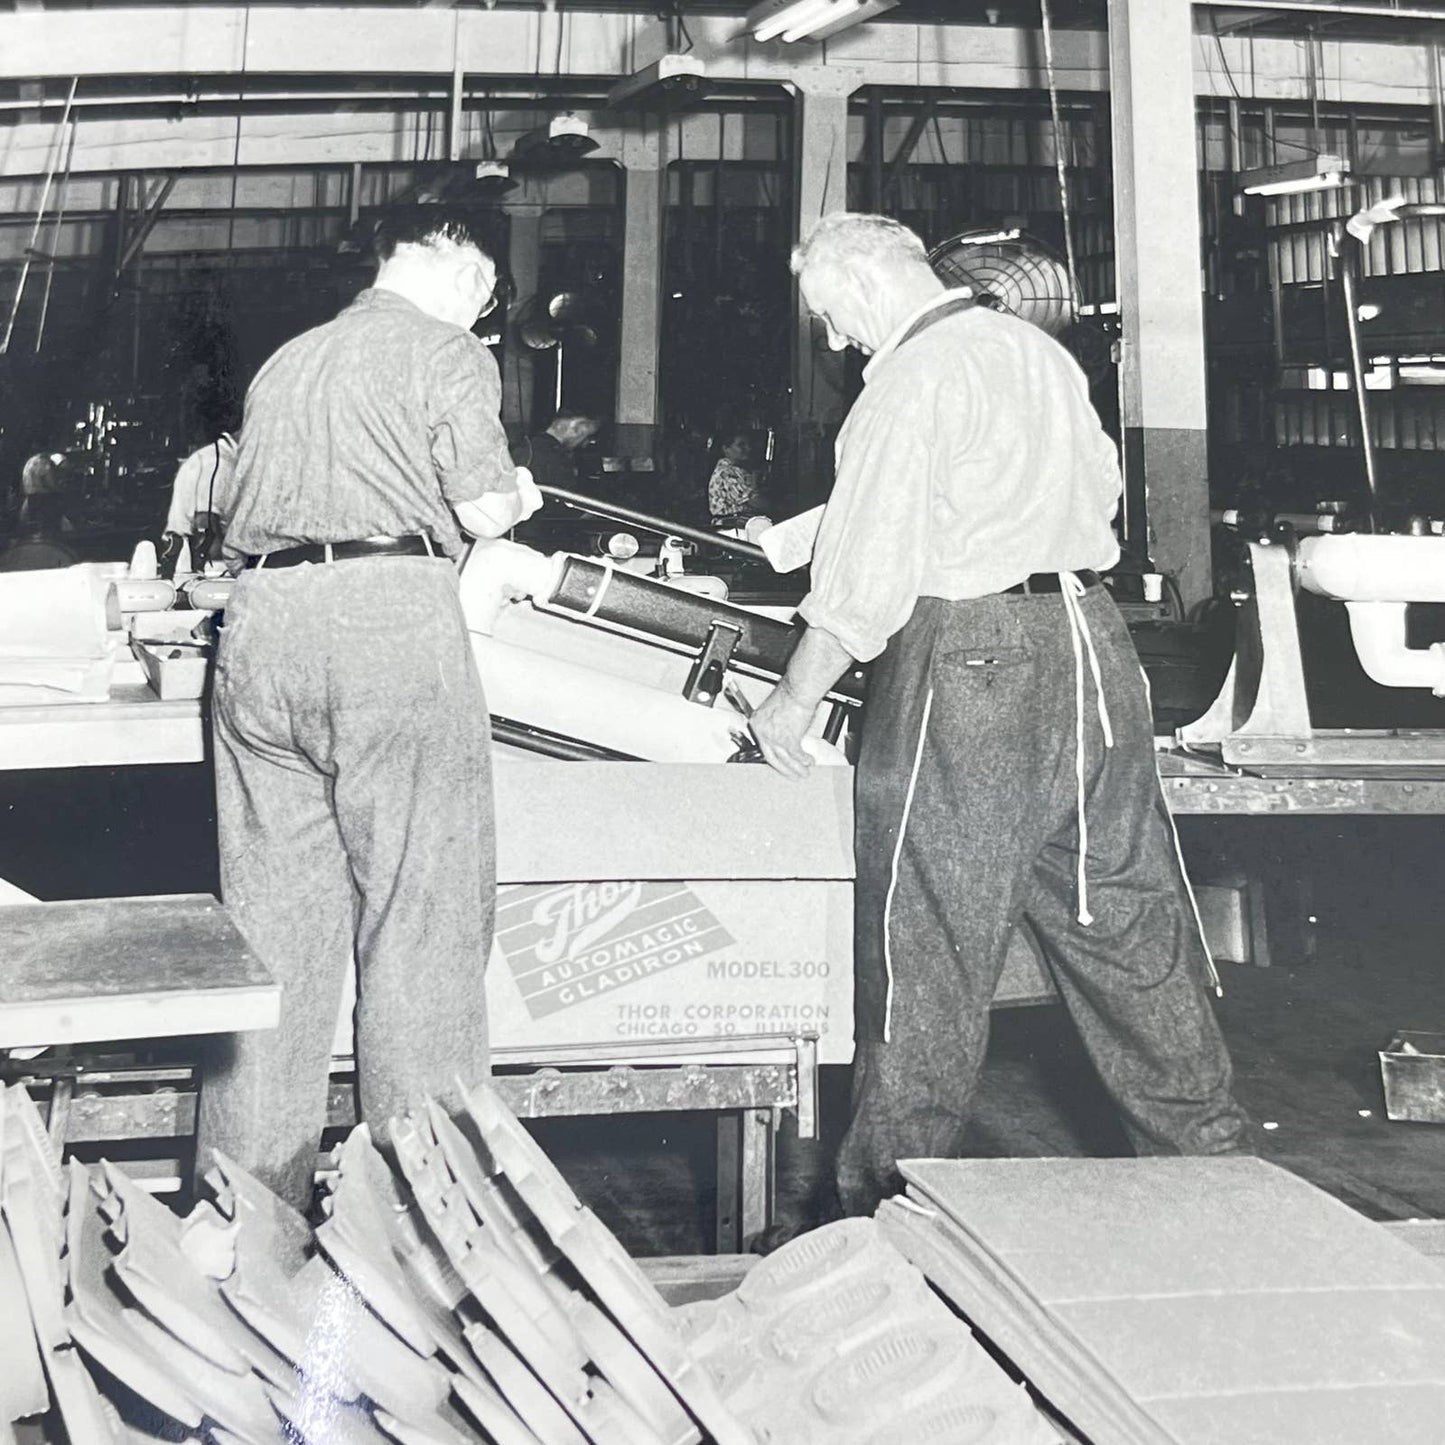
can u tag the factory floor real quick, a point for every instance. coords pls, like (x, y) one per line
(1304, 1032)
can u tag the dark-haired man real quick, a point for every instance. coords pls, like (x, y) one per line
(352, 750)
(551, 455)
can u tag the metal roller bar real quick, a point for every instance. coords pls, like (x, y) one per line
(626, 600)
(615, 513)
(554, 745)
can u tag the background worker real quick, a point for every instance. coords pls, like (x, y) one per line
(1006, 768)
(551, 455)
(733, 493)
(352, 749)
(200, 499)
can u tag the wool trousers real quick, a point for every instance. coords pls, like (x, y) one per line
(354, 808)
(969, 824)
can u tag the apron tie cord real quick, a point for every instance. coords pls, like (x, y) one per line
(1071, 589)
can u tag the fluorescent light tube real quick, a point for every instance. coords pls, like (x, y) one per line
(790, 20)
(1318, 173)
(808, 12)
(817, 18)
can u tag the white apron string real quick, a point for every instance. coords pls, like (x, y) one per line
(1071, 589)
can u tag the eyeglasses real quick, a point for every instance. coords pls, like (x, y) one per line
(504, 292)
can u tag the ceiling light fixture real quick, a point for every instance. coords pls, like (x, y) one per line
(790, 20)
(1318, 173)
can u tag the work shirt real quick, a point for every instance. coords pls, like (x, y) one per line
(371, 425)
(203, 484)
(549, 462)
(731, 489)
(972, 459)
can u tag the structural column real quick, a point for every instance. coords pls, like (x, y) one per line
(821, 186)
(524, 248)
(643, 157)
(1157, 230)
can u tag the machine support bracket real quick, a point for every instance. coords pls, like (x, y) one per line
(705, 677)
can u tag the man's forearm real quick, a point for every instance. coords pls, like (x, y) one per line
(782, 721)
(818, 661)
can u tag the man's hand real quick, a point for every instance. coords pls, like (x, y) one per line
(818, 661)
(779, 725)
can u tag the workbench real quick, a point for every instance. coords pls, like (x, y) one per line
(765, 880)
(137, 728)
(1196, 786)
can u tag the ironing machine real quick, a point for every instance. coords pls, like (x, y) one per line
(1261, 718)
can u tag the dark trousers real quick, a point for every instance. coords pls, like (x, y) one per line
(354, 804)
(967, 823)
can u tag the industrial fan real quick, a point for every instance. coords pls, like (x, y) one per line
(1018, 273)
(1009, 271)
(563, 318)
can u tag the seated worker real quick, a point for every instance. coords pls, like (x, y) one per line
(43, 522)
(550, 456)
(733, 493)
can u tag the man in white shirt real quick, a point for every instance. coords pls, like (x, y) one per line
(1006, 769)
(202, 486)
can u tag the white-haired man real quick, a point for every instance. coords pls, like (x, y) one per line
(1006, 768)
(353, 757)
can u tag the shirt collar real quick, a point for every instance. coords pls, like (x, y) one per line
(895, 337)
(383, 296)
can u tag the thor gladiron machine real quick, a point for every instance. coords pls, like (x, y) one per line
(1261, 717)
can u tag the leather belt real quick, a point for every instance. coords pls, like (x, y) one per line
(344, 551)
(1048, 582)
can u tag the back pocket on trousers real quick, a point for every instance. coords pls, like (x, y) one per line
(985, 661)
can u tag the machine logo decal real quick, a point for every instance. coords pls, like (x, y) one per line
(577, 941)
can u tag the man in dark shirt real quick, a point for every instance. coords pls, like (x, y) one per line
(551, 455)
(352, 749)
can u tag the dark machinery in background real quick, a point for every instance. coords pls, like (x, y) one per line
(1286, 429)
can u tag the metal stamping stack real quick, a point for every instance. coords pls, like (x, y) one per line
(469, 1297)
(1185, 1301)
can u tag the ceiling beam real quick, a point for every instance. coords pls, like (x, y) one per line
(315, 48)
(320, 41)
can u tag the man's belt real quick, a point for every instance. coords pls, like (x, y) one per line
(1048, 582)
(344, 551)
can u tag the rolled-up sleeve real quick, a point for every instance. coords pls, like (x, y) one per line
(468, 446)
(873, 544)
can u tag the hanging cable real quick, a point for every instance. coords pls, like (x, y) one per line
(1060, 161)
(236, 147)
(39, 216)
(55, 238)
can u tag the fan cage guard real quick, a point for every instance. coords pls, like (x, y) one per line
(1014, 272)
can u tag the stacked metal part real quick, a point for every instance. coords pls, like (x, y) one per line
(469, 1297)
(1195, 1301)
